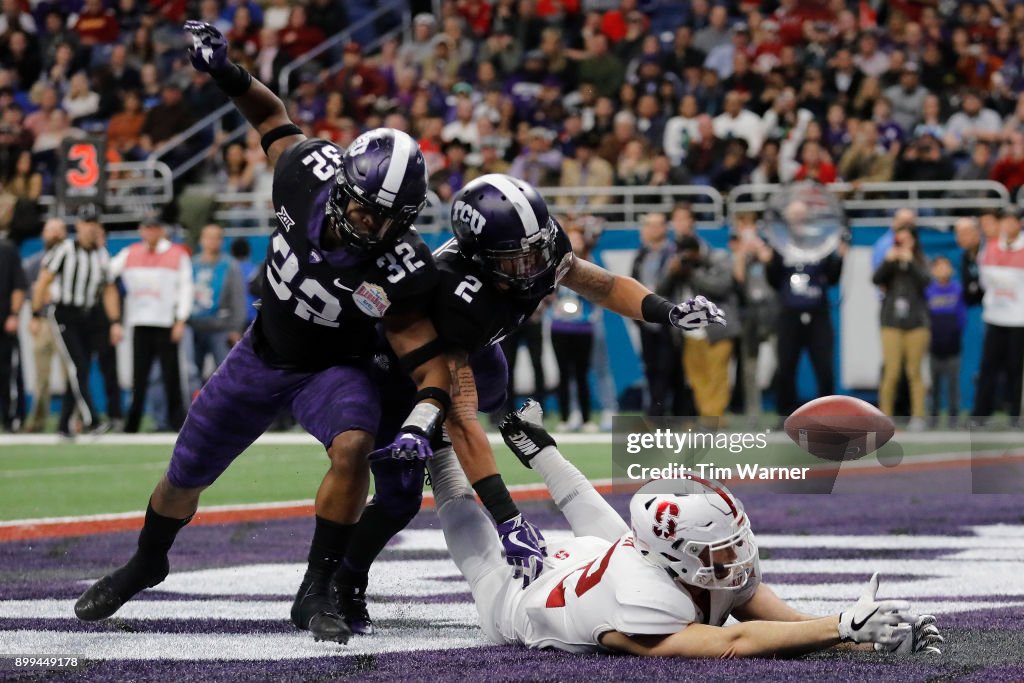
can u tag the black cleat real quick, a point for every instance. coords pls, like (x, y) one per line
(106, 596)
(524, 433)
(312, 611)
(351, 602)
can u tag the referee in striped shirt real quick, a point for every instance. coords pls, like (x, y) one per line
(80, 267)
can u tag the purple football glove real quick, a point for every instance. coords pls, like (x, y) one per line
(406, 446)
(525, 548)
(209, 51)
(695, 314)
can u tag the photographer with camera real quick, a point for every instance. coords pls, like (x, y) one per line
(696, 270)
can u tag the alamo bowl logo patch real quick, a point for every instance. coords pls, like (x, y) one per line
(371, 299)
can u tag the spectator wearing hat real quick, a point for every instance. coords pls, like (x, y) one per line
(75, 278)
(907, 97)
(722, 58)
(973, 124)
(696, 270)
(158, 292)
(1009, 168)
(450, 179)
(360, 83)
(415, 51)
(167, 119)
(948, 313)
(538, 163)
(924, 160)
(1001, 267)
(299, 36)
(717, 32)
(738, 122)
(866, 160)
(600, 68)
(903, 277)
(585, 169)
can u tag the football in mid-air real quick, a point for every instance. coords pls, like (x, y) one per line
(839, 428)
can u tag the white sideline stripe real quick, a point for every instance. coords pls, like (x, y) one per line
(243, 507)
(287, 439)
(242, 646)
(440, 614)
(301, 438)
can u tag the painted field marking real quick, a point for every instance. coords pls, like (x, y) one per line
(14, 530)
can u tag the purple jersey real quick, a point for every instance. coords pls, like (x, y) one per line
(320, 308)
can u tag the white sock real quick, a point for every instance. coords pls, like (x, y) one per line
(588, 513)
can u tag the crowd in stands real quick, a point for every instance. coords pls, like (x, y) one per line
(591, 93)
(560, 92)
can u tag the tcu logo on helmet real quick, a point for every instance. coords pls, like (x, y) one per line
(465, 214)
(665, 518)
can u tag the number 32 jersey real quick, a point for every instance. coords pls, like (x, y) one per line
(591, 586)
(320, 308)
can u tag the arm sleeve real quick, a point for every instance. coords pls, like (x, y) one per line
(234, 298)
(183, 308)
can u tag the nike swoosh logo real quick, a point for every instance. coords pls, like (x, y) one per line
(515, 540)
(337, 283)
(858, 625)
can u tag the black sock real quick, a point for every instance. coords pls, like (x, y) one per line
(372, 533)
(496, 498)
(158, 534)
(330, 539)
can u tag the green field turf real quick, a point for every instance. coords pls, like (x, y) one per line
(82, 479)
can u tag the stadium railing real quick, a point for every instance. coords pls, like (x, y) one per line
(134, 188)
(937, 204)
(396, 7)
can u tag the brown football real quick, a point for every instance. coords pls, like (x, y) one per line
(839, 428)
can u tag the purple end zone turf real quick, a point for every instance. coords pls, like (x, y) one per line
(984, 644)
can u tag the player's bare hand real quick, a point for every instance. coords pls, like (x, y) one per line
(695, 314)
(209, 49)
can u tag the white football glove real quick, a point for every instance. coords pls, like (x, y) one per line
(920, 637)
(871, 621)
(695, 314)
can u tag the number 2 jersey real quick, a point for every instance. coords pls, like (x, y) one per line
(469, 312)
(320, 308)
(591, 586)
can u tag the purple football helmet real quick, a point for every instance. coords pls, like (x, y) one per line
(384, 172)
(503, 224)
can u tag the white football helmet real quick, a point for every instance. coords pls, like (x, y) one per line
(696, 530)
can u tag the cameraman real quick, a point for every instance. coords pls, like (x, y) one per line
(697, 270)
(804, 320)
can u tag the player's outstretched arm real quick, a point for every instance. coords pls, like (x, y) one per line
(414, 340)
(629, 298)
(750, 639)
(524, 544)
(261, 108)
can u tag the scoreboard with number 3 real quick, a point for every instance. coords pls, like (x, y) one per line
(82, 177)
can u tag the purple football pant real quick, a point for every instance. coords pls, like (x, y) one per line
(243, 397)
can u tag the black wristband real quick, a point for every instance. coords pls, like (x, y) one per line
(233, 80)
(276, 134)
(435, 394)
(656, 309)
(496, 498)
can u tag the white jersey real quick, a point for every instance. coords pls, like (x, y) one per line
(591, 586)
